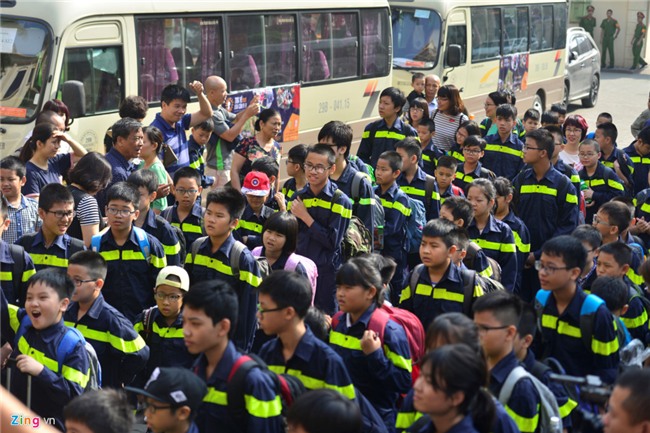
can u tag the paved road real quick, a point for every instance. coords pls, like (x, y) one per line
(622, 94)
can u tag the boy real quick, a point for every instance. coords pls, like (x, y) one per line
(101, 411)
(256, 189)
(16, 265)
(560, 109)
(445, 173)
(323, 218)
(602, 118)
(591, 240)
(173, 397)
(396, 211)
(36, 332)
(613, 157)
(213, 258)
(504, 150)
(22, 211)
(471, 169)
(200, 136)
(497, 315)
(639, 152)
(210, 316)
(120, 350)
(430, 153)
(414, 181)
(297, 179)
(440, 287)
(417, 82)
(146, 182)
(51, 246)
(550, 118)
(269, 166)
(614, 260)
(602, 183)
(132, 265)
(531, 120)
(161, 325)
(614, 291)
(381, 135)
(559, 304)
(627, 409)
(187, 213)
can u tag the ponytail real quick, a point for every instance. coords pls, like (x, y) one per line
(42, 132)
(483, 411)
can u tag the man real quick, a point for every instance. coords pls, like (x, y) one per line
(588, 22)
(627, 411)
(610, 30)
(227, 127)
(431, 86)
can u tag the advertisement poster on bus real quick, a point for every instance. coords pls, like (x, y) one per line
(283, 99)
(513, 73)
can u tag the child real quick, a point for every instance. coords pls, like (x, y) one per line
(147, 184)
(297, 179)
(550, 118)
(383, 134)
(100, 411)
(120, 350)
(212, 257)
(151, 147)
(430, 153)
(497, 315)
(198, 139)
(256, 189)
(381, 370)
(187, 213)
(417, 111)
(36, 332)
(323, 217)
(335, 413)
(504, 150)
(417, 82)
(561, 111)
(51, 246)
(613, 157)
(466, 172)
(445, 173)
(603, 184)
(602, 118)
(531, 120)
(132, 268)
(16, 266)
(22, 211)
(414, 181)
(173, 397)
(615, 292)
(271, 168)
(466, 129)
(591, 240)
(560, 302)
(210, 316)
(396, 211)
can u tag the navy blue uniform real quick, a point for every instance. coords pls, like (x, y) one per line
(250, 226)
(466, 425)
(160, 229)
(627, 168)
(378, 138)
(430, 156)
(504, 158)
(456, 152)
(197, 160)
(289, 189)
(417, 191)
(363, 205)
(641, 168)
(54, 256)
(522, 243)
(191, 226)
(635, 318)
(121, 168)
(14, 295)
(605, 184)
(463, 179)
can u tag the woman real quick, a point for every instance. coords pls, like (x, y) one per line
(448, 117)
(494, 99)
(61, 109)
(575, 130)
(268, 126)
(465, 130)
(42, 164)
(91, 175)
(418, 110)
(153, 140)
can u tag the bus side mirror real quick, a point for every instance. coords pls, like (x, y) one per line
(453, 55)
(73, 95)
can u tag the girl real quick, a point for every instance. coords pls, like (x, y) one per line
(493, 100)
(465, 130)
(505, 213)
(448, 117)
(381, 370)
(492, 235)
(575, 130)
(268, 126)
(42, 164)
(153, 140)
(418, 110)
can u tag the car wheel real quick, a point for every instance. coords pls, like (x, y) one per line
(565, 99)
(591, 100)
(538, 103)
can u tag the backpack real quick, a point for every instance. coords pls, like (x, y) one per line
(179, 234)
(415, 222)
(235, 254)
(550, 364)
(67, 344)
(357, 239)
(548, 407)
(141, 235)
(292, 263)
(147, 323)
(472, 251)
(378, 216)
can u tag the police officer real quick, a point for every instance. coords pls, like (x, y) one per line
(610, 30)
(588, 22)
(637, 41)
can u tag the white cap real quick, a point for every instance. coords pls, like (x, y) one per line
(178, 272)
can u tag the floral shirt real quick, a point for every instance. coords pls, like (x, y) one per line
(250, 149)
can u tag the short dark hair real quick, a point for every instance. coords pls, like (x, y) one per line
(230, 198)
(475, 141)
(558, 108)
(576, 121)
(206, 125)
(92, 261)
(217, 299)
(429, 124)
(52, 194)
(125, 192)
(447, 161)
(504, 306)
(527, 321)
(503, 186)
(506, 111)
(393, 158)
(323, 150)
(588, 233)
(14, 164)
(173, 91)
(298, 153)
(360, 271)
(318, 324)
(124, 127)
(416, 76)
(144, 178)
(340, 133)
(618, 213)
(134, 106)
(56, 279)
(612, 290)
(550, 118)
(92, 172)
(101, 410)
(187, 173)
(266, 164)
(471, 127)
(385, 264)
(498, 97)
(606, 115)
(637, 381)
(396, 95)
(453, 328)
(411, 146)
(568, 248)
(644, 135)
(440, 228)
(590, 142)
(288, 289)
(532, 113)
(336, 413)
(544, 141)
(621, 252)
(460, 208)
(609, 130)
(287, 224)
(264, 116)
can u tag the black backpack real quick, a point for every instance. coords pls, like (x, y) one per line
(179, 234)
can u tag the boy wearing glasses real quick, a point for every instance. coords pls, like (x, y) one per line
(187, 213)
(134, 257)
(50, 246)
(121, 352)
(472, 169)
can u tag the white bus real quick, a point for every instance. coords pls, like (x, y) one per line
(482, 47)
(91, 54)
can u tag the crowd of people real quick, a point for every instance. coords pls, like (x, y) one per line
(432, 282)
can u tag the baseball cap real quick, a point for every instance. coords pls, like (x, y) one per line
(176, 271)
(256, 183)
(174, 385)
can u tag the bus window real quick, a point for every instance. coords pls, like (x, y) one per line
(281, 45)
(560, 12)
(209, 55)
(486, 33)
(247, 55)
(457, 35)
(345, 42)
(316, 55)
(416, 37)
(100, 71)
(515, 26)
(542, 28)
(374, 59)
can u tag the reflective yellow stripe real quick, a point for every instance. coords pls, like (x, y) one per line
(538, 189)
(572, 198)
(158, 262)
(634, 277)
(638, 159)
(567, 408)
(405, 420)
(6, 276)
(106, 337)
(504, 149)
(189, 228)
(211, 263)
(27, 274)
(560, 326)
(525, 425)
(390, 134)
(406, 294)
(249, 225)
(595, 182)
(166, 332)
(216, 397)
(367, 201)
(345, 341)
(397, 206)
(398, 360)
(521, 246)
(487, 272)
(635, 322)
(335, 208)
(575, 178)
(495, 246)
(172, 250)
(110, 255)
(645, 207)
(604, 348)
(365, 134)
(438, 293)
(49, 260)
(616, 185)
(250, 278)
(464, 177)
(313, 383)
(13, 317)
(411, 190)
(262, 408)
(426, 157)
(67, 372)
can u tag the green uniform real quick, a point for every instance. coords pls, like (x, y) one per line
(609, 31)
(637, 44)
(589, 24)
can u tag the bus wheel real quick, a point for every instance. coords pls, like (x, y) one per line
(538, 103)
(591, 100)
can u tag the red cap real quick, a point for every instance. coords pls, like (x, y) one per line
(256, 183)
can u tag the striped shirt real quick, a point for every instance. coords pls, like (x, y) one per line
(24, 219)
(446, 127)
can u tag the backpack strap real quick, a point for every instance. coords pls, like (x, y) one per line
(292, 262)
(642, 196)
(355, 188)
(539, 370)
(336, 319)
(167, 214)
(469, 281)
(429, 186)
(587, 311)
(196, 245)
(515, 376)
(75, 246)
(25, 322)
(66, 346)
(95, 241)
(378, 321)
(148, 323)
(415, 276)
(235, 254)
(18, 256)
(143, 242)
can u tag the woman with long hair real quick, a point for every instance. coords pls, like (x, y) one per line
(448, 117)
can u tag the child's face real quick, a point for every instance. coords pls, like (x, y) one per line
(479, 201)
(384, 175)
(531, 125)
(217, 220)
(425, 135)
(271, 322)
(505, 124)
(461, 136)
(174, 111)
(44, 306)
(353, 299)
(256, 202)
(490, 108)
(531, 154)
(145, 198)
(169, 300)
(444, 177)
(121, 215)
(10, 184)
(434, 253)
(554, 275)
(416, 113)
(408, 162)
(163, 419)
(588, 156)
(502, 203)
(418, 85)
(273, 241)
(600, 120)
(494, 341)
(387, 110)
(148, 148)
(74, 426)
(293, 167)
(601, 139)
(318, 169)
(201, 136)
(57, 220)
(186, 192)
(428, 399)
(199, 333)
(447, 214)
(472, 154)
(602, 223)
(606, 266)
(85, 289)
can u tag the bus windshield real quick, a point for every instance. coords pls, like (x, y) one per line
(24, 49)
(416, 38)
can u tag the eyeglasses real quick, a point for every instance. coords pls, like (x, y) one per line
(550, 270)
(119, 212)
(288, 161)
(60, 214)
(319, 169)
(587, 155)
(172, 298)
(488, 105)
(418, 109)
(472, 151)
(77, 282)
(597, 220)
(182, 191)
(573, 131)
(153, 408)
(483, 329)
(532, 148)
(270, 310)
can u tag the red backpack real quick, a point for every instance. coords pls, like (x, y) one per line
(407, 320)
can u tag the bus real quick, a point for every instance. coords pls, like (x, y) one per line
(481, 48)
(320, 61)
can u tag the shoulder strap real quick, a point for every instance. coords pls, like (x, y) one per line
(515, 376)
(377, 323)
(235, 389)
(143, 241)
(641, 197)
(18, 256)
(235, 254)
(75, 246)
(355, 188)
(25, 322)
(429, 186)
(415, 276)
(95, 241)
(469, 281)
(336, 319)
(67, 344)
(196, 245)
(587, 311)
(148, 323)
(336, 196)
(292, 262)
(539, 370)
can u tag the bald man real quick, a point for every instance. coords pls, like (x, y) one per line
(431, 86)
(227, 127)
